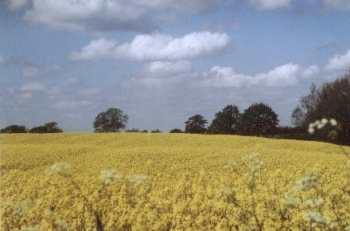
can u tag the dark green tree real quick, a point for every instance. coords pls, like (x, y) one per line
(112, 120)
(50, 127)
(258, 119)
(14, 129)
(196, 124)
(225, 121)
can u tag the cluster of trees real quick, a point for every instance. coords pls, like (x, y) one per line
(50, 127)
(258, 119)
(331, 100)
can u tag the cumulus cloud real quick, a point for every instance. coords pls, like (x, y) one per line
(102, 15)
(270, 4)
(280, 76)
(224, 77)
(285, 75)
(339, 62)
(161, 68)
(162, 73)
(100, 48)
(130, 15)
(277, 4)
(340, 4)
(153, 47)
(311, 71)
(16, 4)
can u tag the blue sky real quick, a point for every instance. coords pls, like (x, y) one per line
(162, 61)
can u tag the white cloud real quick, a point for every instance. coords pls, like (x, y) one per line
(130, 15)
(311, 71)
(224, 77)
(271, 4)
(126, 15)
(339, 62)
(101, 15)
(277, 4)
(153, 47)
(16, 4)
(281, 76)
(339, 4)
(161, 68)
(162, 73)
(285, 75)
(96, 49)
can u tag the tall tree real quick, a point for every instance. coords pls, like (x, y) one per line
(225, 121)
(112, 120)
(259, 119)
(196, 124)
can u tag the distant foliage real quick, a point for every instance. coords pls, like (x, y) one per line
(331, 100)
(258, 119)
(112, 120)
(50, 127)
(196, 124)
(156, 131)
(176, 130)
(297, 133)
(14, 129)
(225, 121)
(133, 130)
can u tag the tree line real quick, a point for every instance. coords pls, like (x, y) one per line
(50, 127)
(331, 100)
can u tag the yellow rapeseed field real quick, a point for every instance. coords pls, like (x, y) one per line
(171, 182)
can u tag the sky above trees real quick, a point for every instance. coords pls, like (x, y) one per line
(162, 61)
